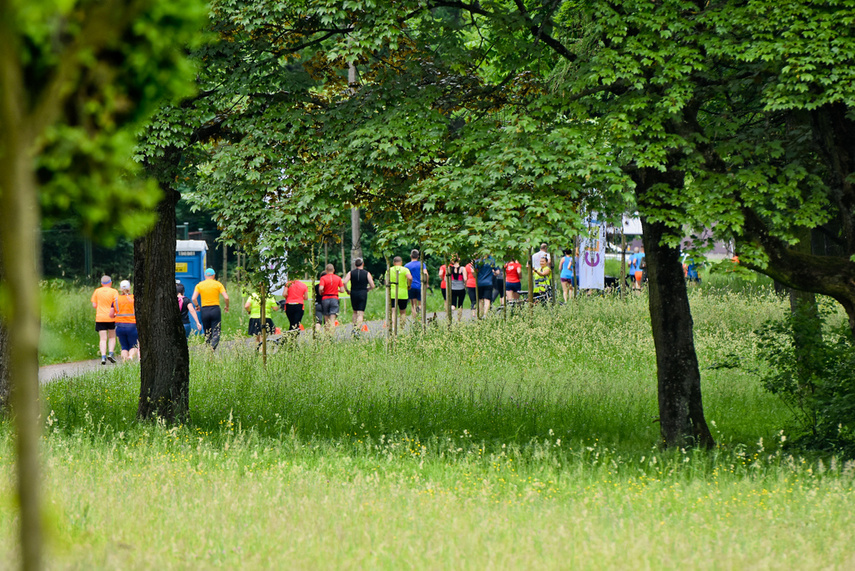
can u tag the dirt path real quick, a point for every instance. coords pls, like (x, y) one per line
(376, 330)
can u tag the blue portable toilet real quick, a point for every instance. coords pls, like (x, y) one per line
(190, 262)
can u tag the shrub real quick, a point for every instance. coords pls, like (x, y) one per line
(815, 377)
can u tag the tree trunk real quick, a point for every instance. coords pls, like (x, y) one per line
(19, 234)
(5, 385)
(807, 326)
(164, 359)
(681, 412)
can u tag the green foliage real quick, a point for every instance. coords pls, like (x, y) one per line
(816, 383)
(112, 65)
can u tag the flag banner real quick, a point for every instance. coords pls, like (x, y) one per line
(591, 264)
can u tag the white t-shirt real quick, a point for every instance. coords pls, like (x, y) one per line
(535, 258)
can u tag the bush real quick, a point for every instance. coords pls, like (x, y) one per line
(815, 377)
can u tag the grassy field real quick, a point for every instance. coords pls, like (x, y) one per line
(526, 443)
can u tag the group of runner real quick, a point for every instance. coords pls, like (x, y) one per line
(482, 279)
(115, 319)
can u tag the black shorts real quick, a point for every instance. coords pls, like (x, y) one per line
(358, 300)
(255, 326)
(443, 292)
(513, 286)
(414, 294)
(485, 291)
(458, 296)
(400, 303)
(105, 326)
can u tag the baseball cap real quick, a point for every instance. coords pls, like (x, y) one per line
(210, 272)
(125, 284)
(106, 280)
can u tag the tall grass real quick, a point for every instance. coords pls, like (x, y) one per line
(527, 442)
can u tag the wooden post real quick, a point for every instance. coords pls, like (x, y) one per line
(530, 284)
(447, 279)
(343, 258)
(395, 310)
(424, 289)
(263, 302)
(355, 237)
(622, 261)
(225, 263)
(505, 307)
(388, 299)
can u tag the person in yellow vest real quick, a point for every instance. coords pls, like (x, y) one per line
(104, 300)
(253, 307)
(210, 291)
(126, 322)
(401, 279)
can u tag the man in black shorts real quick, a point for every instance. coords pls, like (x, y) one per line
(361, 283)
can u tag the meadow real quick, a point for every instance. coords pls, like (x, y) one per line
(529, 442)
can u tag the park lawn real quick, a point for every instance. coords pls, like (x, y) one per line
(527, 443)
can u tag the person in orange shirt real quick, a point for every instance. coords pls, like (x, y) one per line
(104, 301)
(210, 291)
(126, 322)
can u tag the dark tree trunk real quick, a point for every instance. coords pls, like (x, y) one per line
(164, 359)
(681, 411)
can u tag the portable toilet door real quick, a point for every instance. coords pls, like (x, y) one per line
(190, 262)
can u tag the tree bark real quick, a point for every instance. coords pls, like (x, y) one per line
(5, 384)
(164, 358)
(19, 224)
(681, 413)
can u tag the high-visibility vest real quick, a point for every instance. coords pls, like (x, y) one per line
(125, 309)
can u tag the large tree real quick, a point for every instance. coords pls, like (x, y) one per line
(76, 80)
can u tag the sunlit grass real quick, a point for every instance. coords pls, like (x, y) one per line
(529, 442)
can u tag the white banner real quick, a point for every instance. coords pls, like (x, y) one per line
(591, 265)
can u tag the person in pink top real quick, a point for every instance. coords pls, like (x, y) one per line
(471, 284)
(330, 286)
(295, 296)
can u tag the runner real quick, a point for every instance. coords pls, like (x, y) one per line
(513, 282)
(295, 297)
(458, 285)
(415, 290)
(330, 285)
(104, 302)
(442, 276)
(565, 266)
(253, 307)
(471, 285)
(400, 279)
(484, 267)
(210, 291)
(126, 323)
(361, 282)
(185, 310)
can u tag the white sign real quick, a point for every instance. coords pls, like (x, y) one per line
(591, 265)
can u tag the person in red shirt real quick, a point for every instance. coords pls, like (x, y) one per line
(295, 296)
(513, 285)
(330, 286)
(471, 284)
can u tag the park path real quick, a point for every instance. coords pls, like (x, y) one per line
(376, 330)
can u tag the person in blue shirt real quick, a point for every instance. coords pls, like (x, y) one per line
(566, 267)
(415, 292)
(691, 269)
(484, 267)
